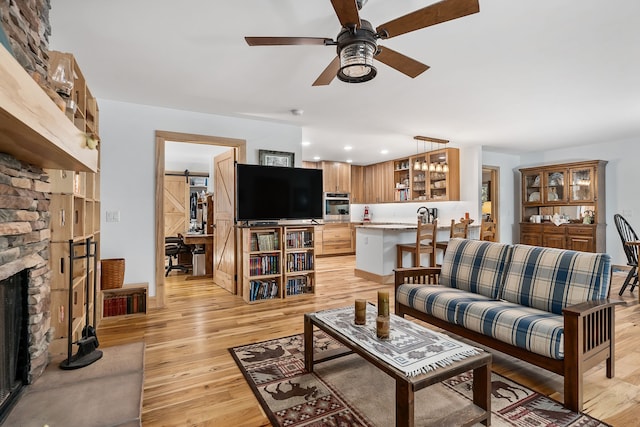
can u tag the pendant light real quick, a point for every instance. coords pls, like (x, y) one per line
(427, 164)
(416, 165)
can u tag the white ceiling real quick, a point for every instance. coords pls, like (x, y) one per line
(518, 76)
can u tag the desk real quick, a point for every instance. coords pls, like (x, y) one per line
(207, 241)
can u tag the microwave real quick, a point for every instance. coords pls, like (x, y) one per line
(336, 207)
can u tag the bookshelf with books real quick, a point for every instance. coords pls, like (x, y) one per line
(261, 264)
(277, 262)
(131, 299)
(300, 260)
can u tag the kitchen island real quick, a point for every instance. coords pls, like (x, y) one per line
(376, 248)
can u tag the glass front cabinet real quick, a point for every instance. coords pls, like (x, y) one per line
(563, 206)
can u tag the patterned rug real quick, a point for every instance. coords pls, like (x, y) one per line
(348, 391)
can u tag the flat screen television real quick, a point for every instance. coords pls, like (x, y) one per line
(273, 193)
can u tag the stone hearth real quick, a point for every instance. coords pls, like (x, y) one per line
(24, 245)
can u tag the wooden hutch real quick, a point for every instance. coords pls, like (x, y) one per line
(573, 191)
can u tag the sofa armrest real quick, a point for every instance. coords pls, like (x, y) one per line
(417, 275)
(588, 307)
(589, 338)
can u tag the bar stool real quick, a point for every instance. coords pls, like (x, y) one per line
(488, 230)
(458, 229)
(425, 244)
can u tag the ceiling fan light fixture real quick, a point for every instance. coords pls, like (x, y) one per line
(356, 49)
(356, 62)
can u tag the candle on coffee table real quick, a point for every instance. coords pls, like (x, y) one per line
(361, 312)
(383, 303)
(383, 327)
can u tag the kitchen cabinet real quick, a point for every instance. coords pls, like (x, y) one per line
(424, 177)
(337, 239)
(336, 177)
(379, 187)
(357, 184)
(573, 191)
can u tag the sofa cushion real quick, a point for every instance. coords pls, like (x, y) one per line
(474, 265)
(438, 301)
(535, 330)
(551, 279)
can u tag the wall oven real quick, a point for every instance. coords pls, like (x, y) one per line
(336, 207)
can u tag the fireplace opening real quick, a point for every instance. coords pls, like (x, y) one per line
(14, 346)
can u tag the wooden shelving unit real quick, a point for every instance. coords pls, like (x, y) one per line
(130, 300)
(277, 262)
(75, 217)
(422, 184)
(300, 261)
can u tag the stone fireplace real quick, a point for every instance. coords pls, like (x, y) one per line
(24, 265)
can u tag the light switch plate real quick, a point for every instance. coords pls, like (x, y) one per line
(113, 216)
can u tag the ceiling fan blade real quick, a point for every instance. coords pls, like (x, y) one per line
(436, 13)
(278, 41)
(329, 73)
(400, 62)
(347, 11)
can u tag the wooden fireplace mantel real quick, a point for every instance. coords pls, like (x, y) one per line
(33, 129)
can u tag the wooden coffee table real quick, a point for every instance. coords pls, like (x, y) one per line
(406, 387)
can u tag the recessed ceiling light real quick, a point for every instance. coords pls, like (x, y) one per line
(305, 143)
(316, 157)
(348, 148)
(349, 161)
(385, 151)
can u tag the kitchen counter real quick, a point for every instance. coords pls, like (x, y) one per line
(376, 247)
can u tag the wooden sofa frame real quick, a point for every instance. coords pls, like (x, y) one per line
(589, 334)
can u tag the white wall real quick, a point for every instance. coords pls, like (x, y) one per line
(622, 176)
(127, 133)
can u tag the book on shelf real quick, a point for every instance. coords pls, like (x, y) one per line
(299, 239)
(118, 305)
(261, 265)
(267, 241)
(299, 285)
(263, 289)
(300, 261)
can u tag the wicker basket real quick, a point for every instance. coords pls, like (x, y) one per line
(112, 275)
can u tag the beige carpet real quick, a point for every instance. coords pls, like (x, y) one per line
(105, 393)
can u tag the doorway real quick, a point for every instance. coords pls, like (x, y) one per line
(162, 137)
(491, 196)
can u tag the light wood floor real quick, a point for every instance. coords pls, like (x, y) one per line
(191, 379)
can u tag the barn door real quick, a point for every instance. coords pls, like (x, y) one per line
(176, 205)
(224, 231)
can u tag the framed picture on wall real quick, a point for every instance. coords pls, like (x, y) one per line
(486, 191)
(276, 158)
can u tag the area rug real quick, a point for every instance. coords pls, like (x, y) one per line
(349, 391)
(105, 393)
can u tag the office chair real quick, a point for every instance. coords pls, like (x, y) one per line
(173, 247)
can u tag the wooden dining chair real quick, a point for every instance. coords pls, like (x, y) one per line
(425, 244)
(458, 229)
(488, 230)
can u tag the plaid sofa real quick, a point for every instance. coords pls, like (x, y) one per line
(523, 300)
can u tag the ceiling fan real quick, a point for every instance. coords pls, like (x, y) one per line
(357, 42)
